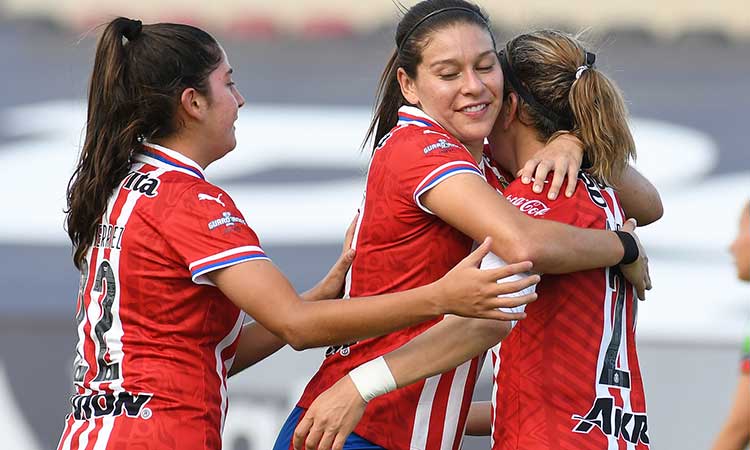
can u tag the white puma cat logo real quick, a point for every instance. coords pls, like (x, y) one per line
(213, 199)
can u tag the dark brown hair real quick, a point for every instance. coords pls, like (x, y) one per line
(133, 96)
(412, 36)
(546, 62)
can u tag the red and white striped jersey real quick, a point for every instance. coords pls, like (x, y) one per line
(402, 245)
(567, 376)
(155, 337)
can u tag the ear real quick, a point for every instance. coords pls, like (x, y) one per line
(408, 86)
(510, 107)
(193, 103)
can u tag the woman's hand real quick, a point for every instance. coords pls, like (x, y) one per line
(563, 155)
(470, 292)
(637, 272)
(332, 285)
(331, 418)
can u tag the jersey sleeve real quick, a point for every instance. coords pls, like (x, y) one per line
(429, 158)
(571, 211)
(210, 233)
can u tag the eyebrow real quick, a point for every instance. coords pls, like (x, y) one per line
(454, 62)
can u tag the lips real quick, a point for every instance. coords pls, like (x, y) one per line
(475, 108)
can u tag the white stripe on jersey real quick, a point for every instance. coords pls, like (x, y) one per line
(623, 350)
(602, 390)
(495, 351)
(221, 364)
(423, 413)
(455, 401)
(108, 422)
(74, 427)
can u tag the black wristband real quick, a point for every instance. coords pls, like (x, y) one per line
(630, 246)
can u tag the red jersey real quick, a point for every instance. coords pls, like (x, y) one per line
(567, 376)
(155, 337)
(402, 245)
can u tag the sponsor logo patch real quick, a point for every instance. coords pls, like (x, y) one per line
(86, 407)
(613, 421)
(440, 144)
(143, 183)
(227, 220)
(532, 207)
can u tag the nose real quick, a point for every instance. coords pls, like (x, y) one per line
(240, 99)
(472, 84)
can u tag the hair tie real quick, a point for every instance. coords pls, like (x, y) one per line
(440, 11)
(590, 59)
(132, 29)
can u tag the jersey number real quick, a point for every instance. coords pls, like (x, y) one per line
(611, 375)
(104, 282)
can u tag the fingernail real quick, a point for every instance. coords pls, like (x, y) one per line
(569, 194)
(525, 180)
(552, 195)
(537, 189)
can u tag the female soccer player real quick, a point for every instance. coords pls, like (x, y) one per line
(429, 192)
(169, 264)
(568, 376)
(735, 434)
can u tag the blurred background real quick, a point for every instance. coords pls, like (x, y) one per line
(308, 70)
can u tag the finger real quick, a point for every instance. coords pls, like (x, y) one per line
(542, 170)
(475, 257)
(527, 172)
(515, 286)
(501, 315)
(349, 235)
(561, 170)
(629, 225)
(338, 443)
(327, 440)
(512, 302)
(640, 289)
(316, 433)
(572, 180)
(300, 433)
(506, 271)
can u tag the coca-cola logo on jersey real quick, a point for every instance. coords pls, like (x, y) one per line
(532, 207)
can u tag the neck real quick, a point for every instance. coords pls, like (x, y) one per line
(514, 147)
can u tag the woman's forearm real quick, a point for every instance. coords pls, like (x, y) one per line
(639, 197)
(444, 346)
(257, 343)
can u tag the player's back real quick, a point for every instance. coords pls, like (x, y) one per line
(567, 376)
(154, 337)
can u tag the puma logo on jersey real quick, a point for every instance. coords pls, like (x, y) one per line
(213, 199)
(613, 421)
(86, 407)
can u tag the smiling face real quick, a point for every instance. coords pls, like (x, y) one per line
(458, 82)
(740, 248)
(224, 101)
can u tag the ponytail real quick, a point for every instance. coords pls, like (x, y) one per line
(139, 73)
(388, 100)
(600, 115)
(111, 136)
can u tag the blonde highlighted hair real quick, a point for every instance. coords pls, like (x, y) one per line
(549, 64)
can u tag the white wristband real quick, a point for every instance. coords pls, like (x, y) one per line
(373, 378)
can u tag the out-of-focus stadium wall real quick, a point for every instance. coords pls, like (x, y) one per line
(665, 18)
